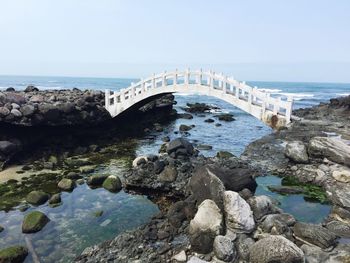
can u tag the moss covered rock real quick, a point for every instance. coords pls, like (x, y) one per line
(15, 254)
(66, 184)
(112, 183)
(37, 197)
(96, 180)
(224, 154)
(34, 222)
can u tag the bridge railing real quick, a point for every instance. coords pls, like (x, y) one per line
(216, 81)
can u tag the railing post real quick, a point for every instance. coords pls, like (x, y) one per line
(276, 106)
(187, 76)
(153, 81)
(164, 80)
(224, 81)
(237, 91)
(175, 78)
(289, 108)
(212, 74)
(142, 85)
(199, 77)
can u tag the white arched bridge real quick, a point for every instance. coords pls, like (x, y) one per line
(275, 112)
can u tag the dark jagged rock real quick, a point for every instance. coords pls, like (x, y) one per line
(15, 254)
(315, 234)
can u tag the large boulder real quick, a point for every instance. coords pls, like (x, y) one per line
(205, 226)
(34, 222)
(331, 148)
(96, 180)
(15, 254)
(315, 234)
(205, 185)
(297, 152)
(180, 147)
(112, 183)
(277, 223)
(313, 254)
(262, 205)
(238, 215)
(66, 184)
(235, 178)
(37, 197)
(276, 249)
(7, 147)
(224, 248)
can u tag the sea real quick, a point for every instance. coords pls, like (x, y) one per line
(73, 225)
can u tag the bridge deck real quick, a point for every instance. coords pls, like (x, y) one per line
(250, 99)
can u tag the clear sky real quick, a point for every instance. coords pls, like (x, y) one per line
(297, 40)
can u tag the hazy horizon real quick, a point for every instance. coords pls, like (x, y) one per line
(294, 41)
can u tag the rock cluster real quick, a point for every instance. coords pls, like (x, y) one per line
(209, 221)
(32, 107)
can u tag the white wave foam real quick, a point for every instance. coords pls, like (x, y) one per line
(270, 90)
(297, 96)
(343, 94)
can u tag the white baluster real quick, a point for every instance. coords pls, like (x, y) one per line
(187, 76)
(164, 80)
(175, 78)
(153, 81)
(199, 78)
(212, 79)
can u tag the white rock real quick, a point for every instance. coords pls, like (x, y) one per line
(194, 259)
(239, 216)
(207, 218)
(206, 224)
(331, 148)
(341, 176)
(296, 151)
(180, 257)
(137, 159)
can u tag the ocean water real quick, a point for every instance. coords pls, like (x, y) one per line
(73, 226)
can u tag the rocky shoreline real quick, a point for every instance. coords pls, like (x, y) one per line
(208, 208)
(215, 216)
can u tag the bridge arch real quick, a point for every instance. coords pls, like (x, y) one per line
(275, 112)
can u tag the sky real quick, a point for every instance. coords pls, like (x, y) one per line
(290, 40)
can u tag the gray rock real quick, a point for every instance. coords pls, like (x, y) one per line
(27, 110)
(34, 221)
(169, 174)
(205, 185)
(15, 106)
(276, 249)
(263, 205)
(331, 148)
(243, 244)
(180, 146)
(66, 184)
(339, 228)
(195, 259)
(315, 234)
(224, 248)
(36, 99)
(234, 178)
(238, 215)
(37, 197)
(277, 223)
(55, 199)
(96, 180)
(297, 152)
(4, 112)
(16, 113)
(112, 183)
(184, 128)
(31, 88)
(206, 224)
